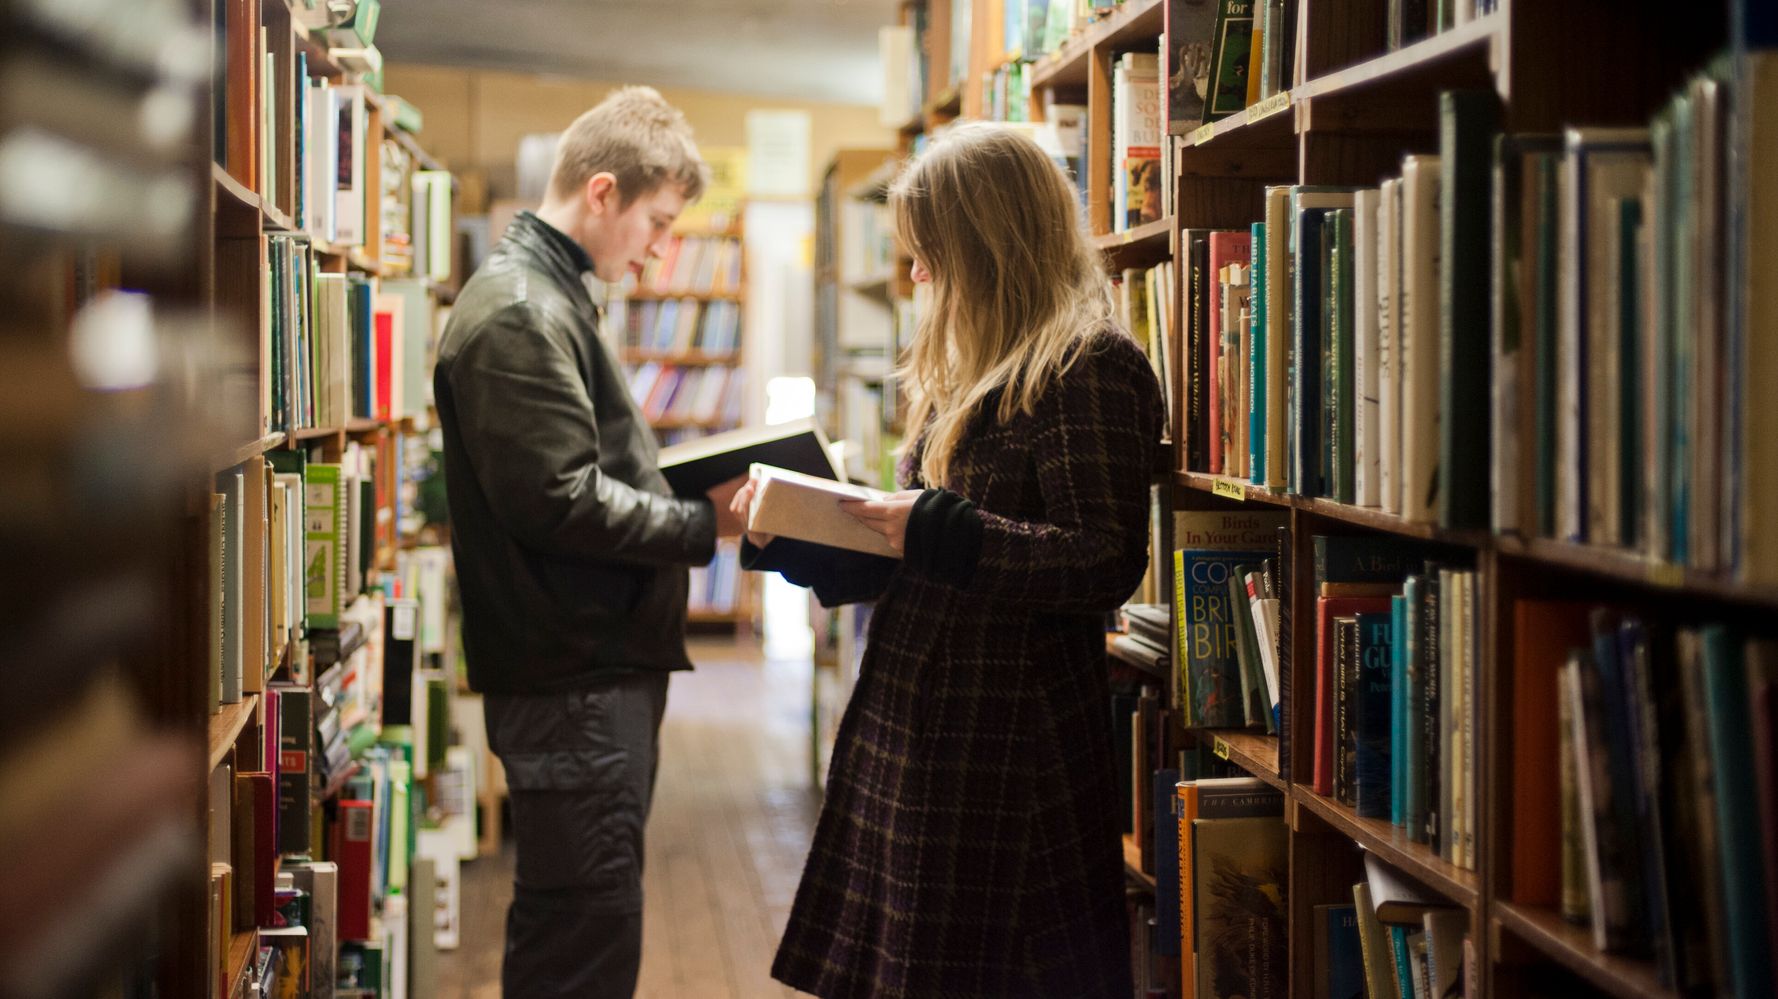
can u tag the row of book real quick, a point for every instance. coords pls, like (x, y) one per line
(1395, 941)
(1230, 670)
(699, 265)
(1224, 55)
(683, 324)
(671, 393)
(1136, 147)
(1334, 348)
(1143, 295)
(714, 587)
(1396, 682)
(1415, 20)
(867, 240)
(341, 346)
(1659, 827)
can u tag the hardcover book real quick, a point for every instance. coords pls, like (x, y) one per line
(1211, 545)
(807, 508)
(1240, 872)
(696, 466)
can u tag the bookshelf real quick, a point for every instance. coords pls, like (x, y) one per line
(1350, 107)
(683, 348)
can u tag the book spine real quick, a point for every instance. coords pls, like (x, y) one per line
(1372, 776)
(1256, 362)
(1420, 316)
(1466, 127)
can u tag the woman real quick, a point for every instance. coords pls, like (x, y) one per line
(968, 844)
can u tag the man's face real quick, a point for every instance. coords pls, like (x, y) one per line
(621, 238)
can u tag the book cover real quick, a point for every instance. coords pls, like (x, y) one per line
(1366, 401)
(1257, 359)
(325, 542)
(295, 787)
(1345, 674)
(794, 505)
(1339, 954)
(354, 834)
(1231, 51)
(696, 466)
(1240, 871)
(1445, 932)
(1398, 899)
(1190, 27)
(1762, 690)
(1276, 284)
(1225, 248)
(1388, 287)
(1467, 123)
(1398, 710)
(1210, 545)
(1737, 811)
(1516, 173)
(320, 879)
(1372, 787)
(1163, 794)
(1608, 893)
(1196, 310)
(1374, 946)
(1307, 434)
(1255, 697)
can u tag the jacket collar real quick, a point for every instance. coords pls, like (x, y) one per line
(551, 246)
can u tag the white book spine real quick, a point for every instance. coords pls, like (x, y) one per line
(1365, 347)
(1389, 346)
(1570, 523)
(1420, 315)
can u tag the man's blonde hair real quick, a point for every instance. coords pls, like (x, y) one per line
(637, 137)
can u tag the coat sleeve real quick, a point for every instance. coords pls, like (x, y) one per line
(528, 426)
(836, 575)
(1097, 431)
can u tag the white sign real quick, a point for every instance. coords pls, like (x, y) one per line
(778, 154)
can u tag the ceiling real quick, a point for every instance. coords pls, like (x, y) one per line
(819, 50)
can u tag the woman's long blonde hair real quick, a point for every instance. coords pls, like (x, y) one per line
(1016, 284)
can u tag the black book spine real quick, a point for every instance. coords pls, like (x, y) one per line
(1467, 122)
(1197, 306)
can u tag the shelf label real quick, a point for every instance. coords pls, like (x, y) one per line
(1666, 574)
(1200, 135)
(1232, 490)
(1269, 107)
(1220, 748)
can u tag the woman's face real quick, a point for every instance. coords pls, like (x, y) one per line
(919, 273)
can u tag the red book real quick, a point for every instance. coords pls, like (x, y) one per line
(385, 333)
(353, 836)
(1326, 609)
(1543, 634)
(260, 796)
(1225, 248)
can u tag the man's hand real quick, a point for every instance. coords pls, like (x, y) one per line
(742, 502)
(728, 522)
(887, 516)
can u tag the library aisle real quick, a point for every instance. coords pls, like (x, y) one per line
(732, 818)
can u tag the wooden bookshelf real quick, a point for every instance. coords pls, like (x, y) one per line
(1391, 843)
(232, 190)
(226, 727)
(1571, 946)
(1068, 66)
(1254, 752)
(696, 296)
(234, 456)
(1143, 246)
(1133, 864)
(686, 358)
(243, 950)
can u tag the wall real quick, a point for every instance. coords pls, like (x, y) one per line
(475, 118)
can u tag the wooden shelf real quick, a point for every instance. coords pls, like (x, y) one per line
(356, 260)
(1635, 569)
(1572, 947)
(1391, 844)
(945, 105)
(1229, 487)
(738, 616)
(231, 192)
(696, 296)
(876, 287)
(273, 220)
(1373, 518)
(243, 951)
(1254, 752)
(234, 456)
(365, 425)
(313, 433)
(1134, 662)
(1267, 124)
(1135, 23)
(1406, 65)
(226, 726)
(667, 424)
(683, 358)
(1146, 245)
(1133, 863)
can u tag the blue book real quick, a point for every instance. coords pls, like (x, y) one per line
(1414, 745)
(1209, 636)
(1256, 359)
(1737, 811)
(1339, 956)
(1398, 710)
(1404, 972)
(1375, 709)
(1166, 863)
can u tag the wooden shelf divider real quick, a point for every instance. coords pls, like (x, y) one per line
(1391, 843)
(1572, 947)
(1133, 864)
(226, 726)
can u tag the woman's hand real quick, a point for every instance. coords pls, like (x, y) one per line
(739, 506)
(887, 516)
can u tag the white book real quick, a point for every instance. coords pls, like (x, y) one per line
(1365, 346)
(794, 505)
(1389, 346)
(349, 191)
(1420, 317)
(321, 159)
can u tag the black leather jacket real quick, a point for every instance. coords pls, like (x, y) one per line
(570, 547)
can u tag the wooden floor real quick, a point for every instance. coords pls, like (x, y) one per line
(732, 819)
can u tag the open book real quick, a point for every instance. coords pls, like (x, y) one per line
(696, 466)
(793, 505)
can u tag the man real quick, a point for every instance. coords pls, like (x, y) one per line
(570, 547)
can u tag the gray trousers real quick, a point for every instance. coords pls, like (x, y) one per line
(580, 769)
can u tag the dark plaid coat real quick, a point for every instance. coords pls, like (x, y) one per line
(969, 844)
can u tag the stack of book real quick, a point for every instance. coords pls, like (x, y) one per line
(1227, 593)
(677, 325)
(694, 264)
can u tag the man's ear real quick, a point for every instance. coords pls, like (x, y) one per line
(601, 193)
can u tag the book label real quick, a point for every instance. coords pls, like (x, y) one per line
(1269, 107)
(1232, 490)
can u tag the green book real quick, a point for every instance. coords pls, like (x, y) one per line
(324, 542)
(1467, 122)
(1231, 48)
(1629, 416)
